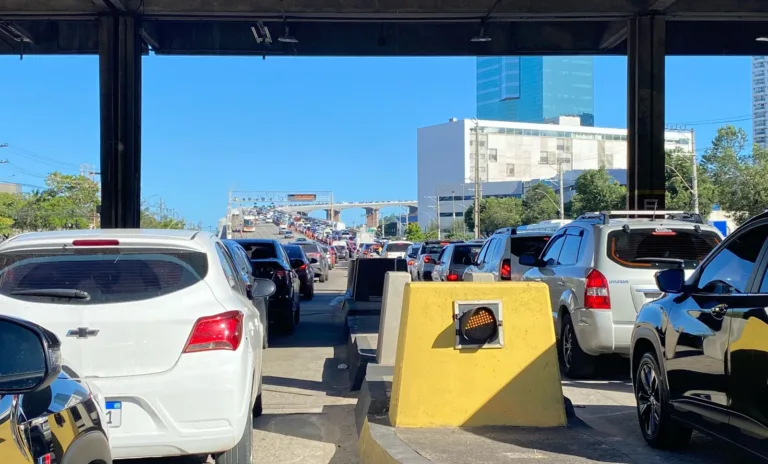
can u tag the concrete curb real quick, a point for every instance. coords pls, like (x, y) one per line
(379, 444)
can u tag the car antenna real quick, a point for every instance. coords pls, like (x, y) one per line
(655, 205)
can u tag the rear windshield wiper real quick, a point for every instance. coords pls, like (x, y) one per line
(54, 293)
(679, 262)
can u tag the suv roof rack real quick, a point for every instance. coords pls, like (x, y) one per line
(604, 217)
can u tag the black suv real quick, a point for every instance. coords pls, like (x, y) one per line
(699, 353)
(56, 418)
(270, 261)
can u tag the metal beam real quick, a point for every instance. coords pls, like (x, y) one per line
(645, 108)
(661, 5)
(120, 97)
(111, 5)
(614, 34)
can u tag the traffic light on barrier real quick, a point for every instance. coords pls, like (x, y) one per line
(478, 324)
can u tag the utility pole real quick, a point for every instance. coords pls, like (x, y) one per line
(561, 176)
(453, 208)
(694, 173)
(477, 181)
(439, 229)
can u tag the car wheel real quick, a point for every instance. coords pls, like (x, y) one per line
(576, 363)
(653, 410)
(322, 278)
(297, 316)
(287, 323)
(311, 291)
(242, 453)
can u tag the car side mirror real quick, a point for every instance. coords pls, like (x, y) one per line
(530, 260)
(671, 280)
(263, 288)
(313, 261)
(297, 263)
(33, 357)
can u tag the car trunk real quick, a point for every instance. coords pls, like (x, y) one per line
(141, 307)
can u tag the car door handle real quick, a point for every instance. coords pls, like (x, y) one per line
(718, 312)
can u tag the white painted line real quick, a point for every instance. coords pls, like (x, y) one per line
(293, 410)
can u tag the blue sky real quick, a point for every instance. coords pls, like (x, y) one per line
(341, 124)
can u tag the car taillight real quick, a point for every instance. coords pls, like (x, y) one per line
(95, 242)
(427, 259)
(220, 332)
(506, 270)
(410, 263)
(303, 267)
(280, 273)
(596, 294)
(452, 277)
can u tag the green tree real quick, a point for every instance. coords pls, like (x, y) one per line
(597, 191)
(494, 214)
(153, 217)
(539, 204)
(738, 176)
(413, 232)
(679, 184)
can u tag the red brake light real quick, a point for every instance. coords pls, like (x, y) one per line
(596, 294)
(280, 273)
(452, 277)
(410, 263)
(303, 267)
(506, 270)
(96, 242)
(427, 259)
(220, 332)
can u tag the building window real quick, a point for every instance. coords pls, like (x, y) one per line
(605, 160)
(493, 155)
(510, 170)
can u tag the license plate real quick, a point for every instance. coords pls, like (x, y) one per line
(114, 413)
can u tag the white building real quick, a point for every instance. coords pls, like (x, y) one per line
(759, 94)
(510, 154)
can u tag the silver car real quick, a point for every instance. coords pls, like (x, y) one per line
(600, 270)
(454, 260)
(322, 267)
(426, 259)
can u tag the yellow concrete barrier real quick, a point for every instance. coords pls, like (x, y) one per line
(437, 385)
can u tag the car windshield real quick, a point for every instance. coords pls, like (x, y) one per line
(638, 248)
(431, 249)
(533, 245)
(114, 275)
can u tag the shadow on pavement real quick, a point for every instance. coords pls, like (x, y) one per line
(334, 381)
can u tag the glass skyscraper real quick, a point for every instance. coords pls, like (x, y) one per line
(535, 89)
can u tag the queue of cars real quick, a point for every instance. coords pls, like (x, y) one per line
(119, 333)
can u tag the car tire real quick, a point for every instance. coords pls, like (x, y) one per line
(658, 427)
(311, 291)
(575, 362)
(242, 453)
(287, 324)
(258, 406)
(322, 278)
(297, 316)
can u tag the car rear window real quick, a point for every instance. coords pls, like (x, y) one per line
(259, 250)
(397, 247)
(340, 248)
(639, 247)
(106, 275)
(431, 249)
(294, 251)
(520, 244)
(310, 247)
(465, 254)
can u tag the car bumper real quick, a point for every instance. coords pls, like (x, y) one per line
(598, 334)
(198, 407)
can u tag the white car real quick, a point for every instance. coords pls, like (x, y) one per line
(159, 321)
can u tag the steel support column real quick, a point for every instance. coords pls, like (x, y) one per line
(645, 108)
(120, 95)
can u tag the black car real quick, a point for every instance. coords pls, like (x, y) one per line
(269, 261)
(46, 415)
(243, 264)
(302, 264)
(699, 353)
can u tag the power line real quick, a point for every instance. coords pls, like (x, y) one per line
(705, 122)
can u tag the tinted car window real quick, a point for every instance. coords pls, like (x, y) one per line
(259, 250)
(636, 248)
(309, 247)
(293, 251)
(570, 252)
(729, 271)
(553, 252)
(111, 275)
(465, 254)
(431, 249)
(520, 245)
(397, 247)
